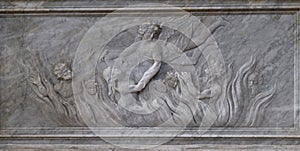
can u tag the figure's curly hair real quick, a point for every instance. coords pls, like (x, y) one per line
(149, 27)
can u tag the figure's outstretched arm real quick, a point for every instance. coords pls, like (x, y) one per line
(148, 75)
(187, 84)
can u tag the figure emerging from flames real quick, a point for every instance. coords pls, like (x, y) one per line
(149, 33)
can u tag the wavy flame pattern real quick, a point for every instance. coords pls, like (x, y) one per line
(241, 108)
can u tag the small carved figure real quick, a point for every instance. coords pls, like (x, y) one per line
(254, 80)
(91, 86)
(191, 89)
(110, 76)
(171, 80)
(63, 73)
(187, 86)
(58, 97)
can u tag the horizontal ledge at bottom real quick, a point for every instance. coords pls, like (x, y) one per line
(145, 9)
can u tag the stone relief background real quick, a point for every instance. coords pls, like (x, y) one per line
(40, 43)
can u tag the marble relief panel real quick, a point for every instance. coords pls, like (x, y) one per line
(222, 71)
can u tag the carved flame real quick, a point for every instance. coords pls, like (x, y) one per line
(241, 107)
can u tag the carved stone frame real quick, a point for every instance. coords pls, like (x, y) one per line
(71, 135)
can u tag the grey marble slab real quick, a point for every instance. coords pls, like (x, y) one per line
(151, 74)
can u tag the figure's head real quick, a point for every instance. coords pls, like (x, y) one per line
(171, 79)
(62, 71)
(253, 78)
(149, 31)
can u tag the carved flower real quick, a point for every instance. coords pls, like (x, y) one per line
(62, 71)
